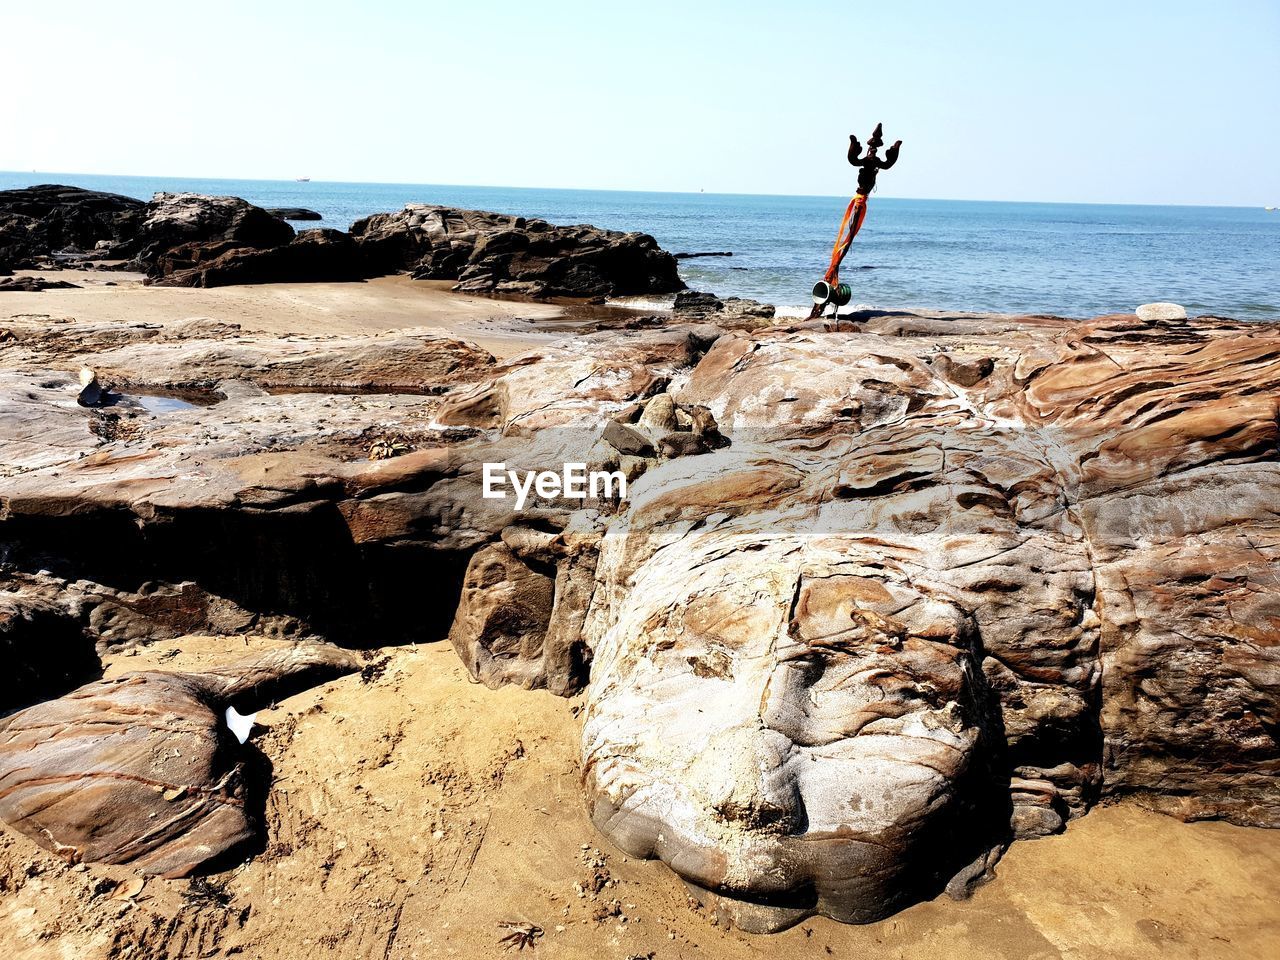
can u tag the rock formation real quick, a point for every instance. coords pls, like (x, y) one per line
(33, 284)
(312, 256)
(142, 769)
(742, 314)
(496, 253)
(42, 642)
(186, 219)
(1153, 312)
(876, 603)
(36, 222)
(187, 239)
(294, 213)
(200, 354)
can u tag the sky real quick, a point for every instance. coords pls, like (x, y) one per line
(1126, 101)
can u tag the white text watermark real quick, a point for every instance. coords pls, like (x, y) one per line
(573, 482)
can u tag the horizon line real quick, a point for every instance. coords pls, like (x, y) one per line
(691, 193)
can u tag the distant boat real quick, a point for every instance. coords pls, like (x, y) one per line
(1269, 209)
(304, 179)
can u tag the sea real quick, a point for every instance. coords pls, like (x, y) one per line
(1065, 259)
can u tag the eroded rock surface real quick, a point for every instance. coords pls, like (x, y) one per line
(878, 601)
(142, 769)
(201, 353)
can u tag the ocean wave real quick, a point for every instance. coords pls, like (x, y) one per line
(792, 312)
(644, 302)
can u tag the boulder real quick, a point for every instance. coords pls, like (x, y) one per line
(1153, 312)
(143, 770)
(497, 253)
(34, 284)
(803, 748)
(175, 219)
(37, 221)
(91, 393)
(627, 440)
(500, 627)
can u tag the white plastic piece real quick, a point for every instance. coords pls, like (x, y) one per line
(240, 725)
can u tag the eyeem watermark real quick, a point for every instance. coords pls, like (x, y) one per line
(573, 482)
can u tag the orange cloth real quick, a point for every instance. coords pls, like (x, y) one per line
(853, 217)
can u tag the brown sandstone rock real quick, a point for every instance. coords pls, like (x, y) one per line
(953, 579)
(142, 770)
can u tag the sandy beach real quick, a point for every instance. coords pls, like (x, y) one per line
(415, 813)
(503, 327)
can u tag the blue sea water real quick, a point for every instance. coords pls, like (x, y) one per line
(1065, 259)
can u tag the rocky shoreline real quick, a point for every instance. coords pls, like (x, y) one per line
(198, 241)
(880, 601)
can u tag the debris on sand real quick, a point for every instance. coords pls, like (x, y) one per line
(519, 935)
(389, 445)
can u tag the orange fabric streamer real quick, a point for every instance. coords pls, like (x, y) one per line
(853, 217)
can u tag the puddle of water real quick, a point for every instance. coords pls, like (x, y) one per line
(159, 406)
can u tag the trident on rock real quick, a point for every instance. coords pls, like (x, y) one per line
(829, 290)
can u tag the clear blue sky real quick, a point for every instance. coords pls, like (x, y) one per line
(1119, 101)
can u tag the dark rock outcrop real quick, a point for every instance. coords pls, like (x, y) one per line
(310, 257)
(186, 239)
(33, 284)
(36, 222)
(43, 645)
(498, 253)
(694, 306)
(294, 213)
(178, 219)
